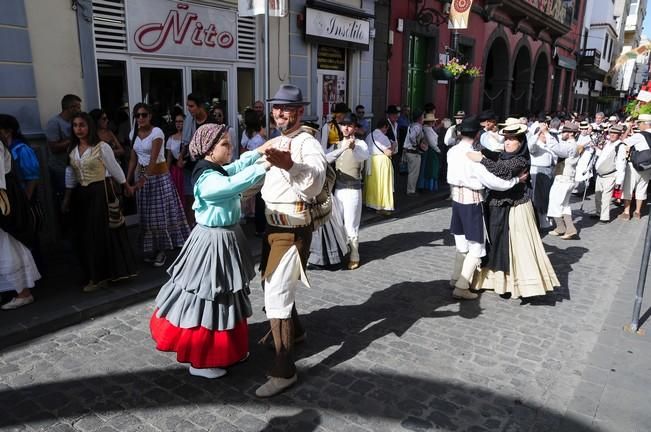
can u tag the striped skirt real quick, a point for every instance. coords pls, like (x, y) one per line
(201, 311)
(162, 221)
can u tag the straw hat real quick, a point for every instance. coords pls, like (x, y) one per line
(514, 129)
(429, 117)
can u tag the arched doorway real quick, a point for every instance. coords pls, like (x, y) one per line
(540, 74)
(496, 78)
(521, 85)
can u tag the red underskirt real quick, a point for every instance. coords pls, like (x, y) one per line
(200, 347)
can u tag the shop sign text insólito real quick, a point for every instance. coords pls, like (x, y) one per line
(202, 31)
(324, 24)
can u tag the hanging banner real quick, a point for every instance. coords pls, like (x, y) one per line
(459, 14)
(277, 8)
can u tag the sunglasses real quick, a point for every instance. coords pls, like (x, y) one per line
(142, 115)
(286, 108)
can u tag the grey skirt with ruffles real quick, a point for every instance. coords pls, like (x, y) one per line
(209, 280)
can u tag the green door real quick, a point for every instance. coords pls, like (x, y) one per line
(416, 72)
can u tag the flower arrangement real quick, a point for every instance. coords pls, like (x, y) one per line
(454, 69)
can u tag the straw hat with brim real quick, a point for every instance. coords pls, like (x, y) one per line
(617, 129)
(583, 125)
(429, 117)
(460, 114)
(514, 129)
(509, 121)
(570, 128)
(288, 94)
(644, 117)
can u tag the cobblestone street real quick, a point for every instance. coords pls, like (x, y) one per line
(388, 349)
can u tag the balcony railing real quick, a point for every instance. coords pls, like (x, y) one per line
(590, 58)
(552, 15)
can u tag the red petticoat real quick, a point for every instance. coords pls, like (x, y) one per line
(200, 347)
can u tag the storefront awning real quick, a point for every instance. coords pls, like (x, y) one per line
(566, 62)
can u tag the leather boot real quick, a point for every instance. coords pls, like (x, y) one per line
(283, 374)
(353, 261)
(560, 227)
(462, 287)
(570, 229)
(458, 264)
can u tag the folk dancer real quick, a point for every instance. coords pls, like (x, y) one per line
(636, 182)
(542, 170)
(467, 181)
(296, 177)
(610, 167)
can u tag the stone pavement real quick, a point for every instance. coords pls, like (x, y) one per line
(388, 349)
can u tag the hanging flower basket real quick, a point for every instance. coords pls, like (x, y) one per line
(442, 74)
(465, 79)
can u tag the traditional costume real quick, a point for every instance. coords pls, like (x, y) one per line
(378, 183)
(467, 180)
(201, 311)
(611, 169)
(429, 165)
(541, 172)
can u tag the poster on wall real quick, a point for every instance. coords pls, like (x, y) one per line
(334, 91)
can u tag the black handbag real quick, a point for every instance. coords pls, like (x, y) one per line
(641, 159)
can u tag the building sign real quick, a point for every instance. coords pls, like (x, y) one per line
(331, 58)
(182, 29)
(554, 8)
(337, 28)
(277, 8)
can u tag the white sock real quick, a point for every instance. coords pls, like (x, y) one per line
(210, 373)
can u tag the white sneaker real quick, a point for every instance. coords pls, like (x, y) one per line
(160, 259)
(210, 373)
(17, 302)
(275, 385)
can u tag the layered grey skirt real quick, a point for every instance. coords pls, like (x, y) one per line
(209, 281)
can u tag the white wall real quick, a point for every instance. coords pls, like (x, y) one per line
(55, 49)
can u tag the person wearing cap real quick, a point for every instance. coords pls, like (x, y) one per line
(413, 148)
(467, 180)
(429, 165)
(348, 158)
(543, 159)
(516, 263)
(489, 138)
(451, 135)
(296, 177)
(610, 167)
(636, 182)
(330, 133)
(378, 183)
(201, 312)
(568, 152)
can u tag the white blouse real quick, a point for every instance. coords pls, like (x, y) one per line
(143, 146)
(381, 140)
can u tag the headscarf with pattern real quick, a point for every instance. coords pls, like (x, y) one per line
(205, 138)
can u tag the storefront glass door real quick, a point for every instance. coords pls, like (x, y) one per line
(162, 89)
(213, 86)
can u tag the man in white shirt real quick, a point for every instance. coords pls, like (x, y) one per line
(568, 152)
(296, 177)
(467, 180)
(610, 167)
(543, 160)
(490, 138)
(636, 182)
(451, 135)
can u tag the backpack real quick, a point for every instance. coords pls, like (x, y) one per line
(641, 159)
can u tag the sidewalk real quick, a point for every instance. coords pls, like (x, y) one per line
(61, 303)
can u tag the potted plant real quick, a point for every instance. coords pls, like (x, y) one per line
(469, 74)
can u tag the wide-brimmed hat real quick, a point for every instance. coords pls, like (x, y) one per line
(460, 114)
(583, 125)
(644, 117)
(340, 108)
(392, 109)
(613, 118)
(509, 121)
(429, 117)
(618, 129)
(288, 94)
(349, 118)
(469, 124)
(514, 129)
(570, 128)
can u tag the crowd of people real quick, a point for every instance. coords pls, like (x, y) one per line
(196, 179)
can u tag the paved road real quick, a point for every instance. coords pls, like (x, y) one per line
(388, 349)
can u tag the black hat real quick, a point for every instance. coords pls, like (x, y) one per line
(340, 107)
(392, 109)
(460, 114)
(349, 118)
(487, 115)
(469, 124)
(288, 94)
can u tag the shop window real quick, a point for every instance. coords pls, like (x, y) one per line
(162, 89)
(212, 85)
(245, 88)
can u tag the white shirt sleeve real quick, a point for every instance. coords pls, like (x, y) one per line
(307, 176)
(450, 138)
(111, 164)
(620, 164)
(70, 178)
(492, 182)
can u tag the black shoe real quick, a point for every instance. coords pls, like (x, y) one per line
(594, 216)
